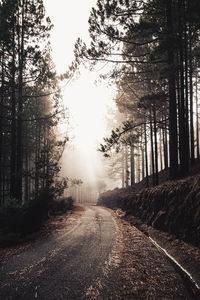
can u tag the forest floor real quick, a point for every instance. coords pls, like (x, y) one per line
(141, 271)
(185, 254)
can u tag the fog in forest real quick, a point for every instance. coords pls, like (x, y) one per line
(87, 101)
(87, 105)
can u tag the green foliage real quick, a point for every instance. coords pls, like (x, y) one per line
(58, 187)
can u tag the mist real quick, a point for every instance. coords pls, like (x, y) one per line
(86, 173)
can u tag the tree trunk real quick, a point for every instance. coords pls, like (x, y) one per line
(13, 177)
(165, 144)
(155, 145)
(132, 166)
(138, 165)
(123, 168)
(161, 150)
(26, 181)
(37, 159)
(152, 148)
(142, 153)
(20, 107)
(1, 129)
(197, 118)
(173, 143)
(186, 84)
(192, 150)
(146, 154)
(126, 166)
(183, 128)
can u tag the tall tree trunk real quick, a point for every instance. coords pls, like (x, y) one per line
(1, 158)
(142, 150)
(183, 128)
(155, 144)
(126, 166)
(4, 168)
(37, 159)
(1, 128)
(185, 29)
(165, 143)
(132, 166)
(20, 106)
(13, 177)
(161, 150)
(146, 154)
(197, 118)
(152, 148)
(44, 156)
(123, 168)
(138, 166)
(192, 150)
(173, 143)
(26, 181)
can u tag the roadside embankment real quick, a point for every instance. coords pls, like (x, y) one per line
(173, 206)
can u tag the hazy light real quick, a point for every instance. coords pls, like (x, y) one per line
(87, 103)
(70, 19)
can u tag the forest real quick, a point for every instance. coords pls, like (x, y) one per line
(30, 109)
(153, 50)
(125, 223)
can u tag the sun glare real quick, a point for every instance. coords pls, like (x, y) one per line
(86, 102)
(87, 105)
(70, 21)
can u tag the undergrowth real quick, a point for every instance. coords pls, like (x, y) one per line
(18, 222)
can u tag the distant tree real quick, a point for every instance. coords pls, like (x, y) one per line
(101, 186)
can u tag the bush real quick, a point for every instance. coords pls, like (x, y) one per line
(9, 239)
(16, 221)
(36, 211)
(28, 218)
(10, 216)
(61, 206)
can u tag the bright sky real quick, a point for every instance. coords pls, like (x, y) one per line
(86, 102)
(70, 19)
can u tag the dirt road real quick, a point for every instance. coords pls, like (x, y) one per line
(62, 266)
(96, 256)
